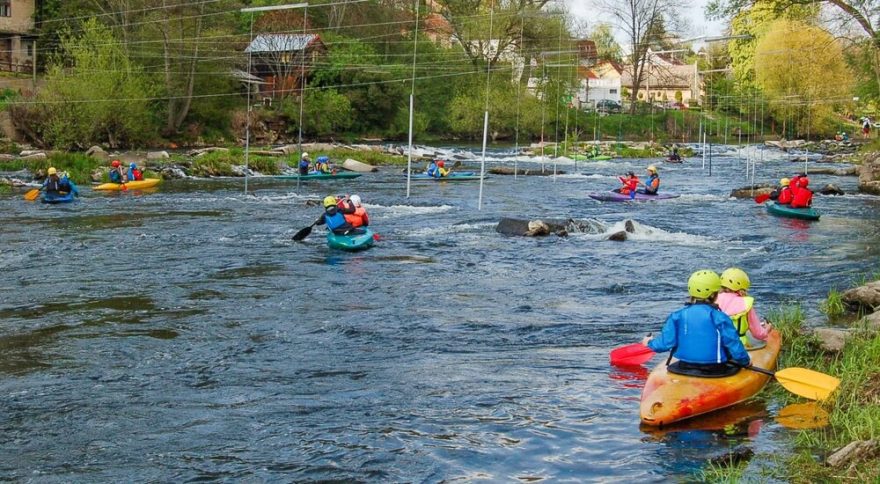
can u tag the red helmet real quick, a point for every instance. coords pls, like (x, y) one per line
(441, 163)
(115, 163)
(803, 182)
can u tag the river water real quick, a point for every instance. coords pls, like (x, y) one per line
(181, 335)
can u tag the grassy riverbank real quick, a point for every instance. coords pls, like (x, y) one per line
(854, 409)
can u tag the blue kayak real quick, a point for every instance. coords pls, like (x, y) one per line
(351, 242)
(54, 198)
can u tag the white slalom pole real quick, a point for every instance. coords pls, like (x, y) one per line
(412, 94)
(483, 162)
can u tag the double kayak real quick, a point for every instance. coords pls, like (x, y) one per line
(590, 158)
(669, 397)
(351, 242)
(454, 176)
(774, 208)
(132, 185)
(342, 175)
(612, 196)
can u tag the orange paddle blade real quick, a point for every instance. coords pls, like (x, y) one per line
(32, 195)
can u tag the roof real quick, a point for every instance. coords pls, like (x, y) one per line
(663, 77)
(587, 49)
(280, 42)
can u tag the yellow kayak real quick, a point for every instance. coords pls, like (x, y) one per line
(135, 185)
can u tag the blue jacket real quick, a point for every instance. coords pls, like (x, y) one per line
(700, 334)
(115, 177)
(335, 219)
(432, 170)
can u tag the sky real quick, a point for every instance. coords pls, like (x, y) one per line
(693, 14)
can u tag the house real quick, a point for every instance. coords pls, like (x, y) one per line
(598, 82)
(282, 61)
(17, 37)
(665, 79)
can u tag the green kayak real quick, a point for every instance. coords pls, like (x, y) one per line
(786, 211)
(343, 175)
(354, 242)
(590, 158)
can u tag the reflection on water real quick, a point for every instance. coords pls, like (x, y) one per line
(181, 335)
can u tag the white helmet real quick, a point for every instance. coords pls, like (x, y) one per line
(305, 156)
(356, 200)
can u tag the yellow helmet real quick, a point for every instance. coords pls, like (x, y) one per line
(703, 284)
(329, 201)
(784, 182)
(652, 168)
(735, 279)
(52, 170)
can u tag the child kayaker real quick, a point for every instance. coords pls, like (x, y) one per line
(117, 174)
(630, 184)
(322, 165)
(359, 217)
(735, 303)
(133, 173)
(333, 217)
(700, 335)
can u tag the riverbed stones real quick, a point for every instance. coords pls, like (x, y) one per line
(832, 340)
(98, 153)
(869, 175)
(97, 174)
(831, 189)
(848, 171)
(854, 453)
(733, 458)
(531, 228)
(171, 172)
(6, 157)
(158, 155)
(752, 191)
(863, 297)
(34, 156)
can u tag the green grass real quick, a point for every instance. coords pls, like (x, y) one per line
(78, 165)
(732, 473)
(833, 305)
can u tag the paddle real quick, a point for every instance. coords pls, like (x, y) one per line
(32, 195)
(762, 198)
(801, 381)
(631, 355)
(454, 166)
(303, 233)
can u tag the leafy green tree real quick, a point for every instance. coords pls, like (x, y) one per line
(606, 46)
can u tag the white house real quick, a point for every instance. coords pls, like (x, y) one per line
(601, 81)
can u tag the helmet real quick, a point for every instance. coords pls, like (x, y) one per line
(735, 278)
(114, 163)
(630, 173)
(52, 170)
(441, 163)
(323, 159)
(703, 284)
(132, 165)
(305, 156)
(652, 168)
(356, 200)
(329, 201)
(784, 182)
(803, 182)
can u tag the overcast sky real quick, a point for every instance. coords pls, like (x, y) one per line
(693, 14)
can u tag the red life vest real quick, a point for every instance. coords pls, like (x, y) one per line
(803, 198)
(785, 196)
(629, 184)
(358, 218)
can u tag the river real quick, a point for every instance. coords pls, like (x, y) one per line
(181, 335)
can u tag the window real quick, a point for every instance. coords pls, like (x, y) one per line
(612, 91)
(5, 8)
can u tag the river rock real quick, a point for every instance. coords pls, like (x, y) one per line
(831, 339)
(831, 189)
(6, 157)
(158, 155)
(38, 156)
(848, 171)
(853, 453)
(358, 166)
(530, 228)
(171, 172)
(872, 321)
(618, 236)
(752, 191)
(204, 151)
(97, 174)
(98, 153)
(869, 175)
(867, 296)
(735, 457)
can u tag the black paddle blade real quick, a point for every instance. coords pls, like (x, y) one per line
(456, 164)
(302, 233)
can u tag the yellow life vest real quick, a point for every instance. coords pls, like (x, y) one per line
(741, 321)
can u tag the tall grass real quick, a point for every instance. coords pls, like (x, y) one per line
(833, 305)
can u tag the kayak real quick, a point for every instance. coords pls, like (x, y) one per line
(612, 196)
(786, 211)
(320, 176)
(132, 185)
(590, 158)
(674, 160)
(350, 242)
(52, 198)
(669, 397)
(455, 176)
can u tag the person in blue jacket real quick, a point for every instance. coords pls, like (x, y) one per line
(700, 335)
(322, 165)
(133, 173)
(305, 163)
(335, 220)
(432, 169)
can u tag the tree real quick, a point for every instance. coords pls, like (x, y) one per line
(801, 69)
(639, 20)
(606, 46)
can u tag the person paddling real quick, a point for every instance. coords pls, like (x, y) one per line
(782, 192)
(735, 302)
(133, 173)
(653, 183)
(803, 198)
(117, 174)
(305, 163)
(334, 219)
(700, 335)
(630, 184)
(322, 165)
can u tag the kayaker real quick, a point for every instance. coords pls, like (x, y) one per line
(630, 184)
(674, 156)
(779, 192)
(431, 170)
(52, 185)
(803, 198)
(594, 152)
(304, 164)
(700, 335)
(359, 217)
(735, 302)
(333, 217)
(322, 165)
(133, 173)
(441, 169)
(117, 174)
(653, 183)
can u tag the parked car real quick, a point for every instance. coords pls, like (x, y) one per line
(675, 105)
(608, 106)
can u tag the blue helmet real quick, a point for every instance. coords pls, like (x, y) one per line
(133, 165)
(323, 159)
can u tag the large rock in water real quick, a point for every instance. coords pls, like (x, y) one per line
(354, 165)
(869, 176)
(831, 189)
(752, 191)
(530, 228)
(867, 296)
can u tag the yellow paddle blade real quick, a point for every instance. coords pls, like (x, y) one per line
(807, 383)
(32, 195)
(803, 416)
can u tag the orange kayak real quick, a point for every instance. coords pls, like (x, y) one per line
(669, 398)
(132, 185)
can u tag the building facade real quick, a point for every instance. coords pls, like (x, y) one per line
(17, 37)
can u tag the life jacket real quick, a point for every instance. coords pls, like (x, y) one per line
(304, 167)
(52, 184)
(115, 176)
(138, 175)
(334, 218)
(322, 167)
(741, 319)
(358, 218)
(653, 184)
(802, 199)
(699, 341)
(785, 196)
(629, 184)
(432, 169)
(442, 172)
